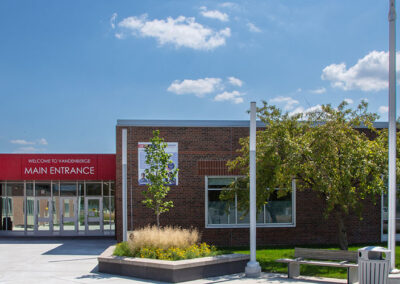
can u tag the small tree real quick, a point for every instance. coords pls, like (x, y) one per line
(324, 152)
(158, 176)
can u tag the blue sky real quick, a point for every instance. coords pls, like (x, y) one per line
(70, 69)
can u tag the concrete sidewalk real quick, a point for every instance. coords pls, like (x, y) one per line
(38, 260)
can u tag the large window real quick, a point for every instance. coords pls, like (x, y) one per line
(108, 206)
(385, 216)
(278, 211)
(12, 217)
(55, 206)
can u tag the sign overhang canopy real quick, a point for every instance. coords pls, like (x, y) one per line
(57, 167)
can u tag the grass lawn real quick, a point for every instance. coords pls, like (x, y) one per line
(266, 256)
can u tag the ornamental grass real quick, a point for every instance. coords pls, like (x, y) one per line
(168, 243)
(163, 238)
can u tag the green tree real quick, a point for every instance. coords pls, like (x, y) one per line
(158, 176)
(275, 144)
(324, 152)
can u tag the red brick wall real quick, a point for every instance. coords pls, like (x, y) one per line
(197, 147)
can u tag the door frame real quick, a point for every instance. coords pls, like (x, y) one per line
(68, 219)
(88, 218)
(43, 219)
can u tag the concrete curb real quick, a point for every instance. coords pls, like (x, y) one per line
(171, 271)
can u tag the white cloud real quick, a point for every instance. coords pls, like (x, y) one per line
(301, 109)
(22, 142)
(288, 101)
(234, 96)
(253, 28)
(318, 91)
(313, 108)
(229, 5)
(42, 141)
(28, 146)
(349, 101)
(181, 32)
(214, 14)
(235, 81)
(383, 109)
(206, 86)
(27, 149)
(113, 19)
(198, 87)
(370, 73)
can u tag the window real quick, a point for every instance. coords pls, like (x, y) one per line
(68, 189)
(278, 211)
(43, 189)
(93, 189)
(23, 203)
(219, 211)
(385, 216)
(12, 207)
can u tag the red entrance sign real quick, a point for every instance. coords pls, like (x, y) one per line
(57, 167)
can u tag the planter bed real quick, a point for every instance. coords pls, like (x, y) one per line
(172, 271)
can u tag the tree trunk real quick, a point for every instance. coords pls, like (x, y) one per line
(157, 211)
(342, 232)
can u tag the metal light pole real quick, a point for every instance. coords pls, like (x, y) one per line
(392, 134)
(253, 268)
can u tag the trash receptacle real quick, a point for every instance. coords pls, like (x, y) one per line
(373, 265)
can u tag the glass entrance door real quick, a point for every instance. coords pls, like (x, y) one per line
(68, 214)
(94, 214)
(43, 216)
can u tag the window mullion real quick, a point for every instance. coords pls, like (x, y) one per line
(236, 220)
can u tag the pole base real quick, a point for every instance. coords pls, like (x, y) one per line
(253, 269)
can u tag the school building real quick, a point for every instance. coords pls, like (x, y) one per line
(81, 194)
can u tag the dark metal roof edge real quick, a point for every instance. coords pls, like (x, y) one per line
(205, 123)
(186, 123)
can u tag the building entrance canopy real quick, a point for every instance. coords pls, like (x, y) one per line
(57, 167)
(56, 195)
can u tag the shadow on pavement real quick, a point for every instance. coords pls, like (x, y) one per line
(66, 246)
(95, 274)
(265, 278)
(81, 247)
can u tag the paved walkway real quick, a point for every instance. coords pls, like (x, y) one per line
(75, 261)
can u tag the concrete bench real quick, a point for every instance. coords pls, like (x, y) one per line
(323, 257)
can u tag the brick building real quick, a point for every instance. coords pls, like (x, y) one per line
(204, 148)
(40, 197)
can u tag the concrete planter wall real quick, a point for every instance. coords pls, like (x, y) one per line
(172, 271)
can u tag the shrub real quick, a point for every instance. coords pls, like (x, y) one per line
(171, 253)
(122, 249)
(165, 243)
